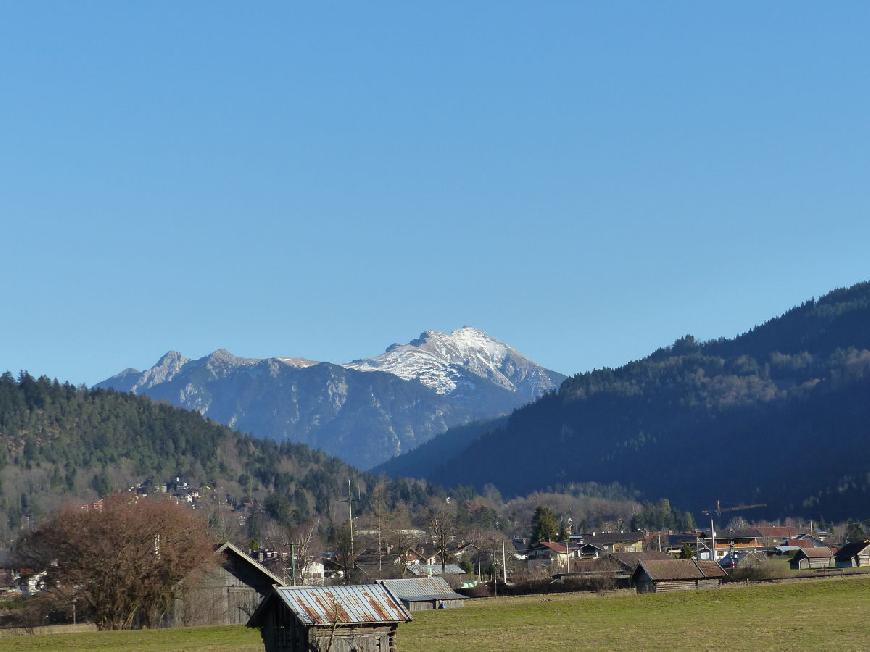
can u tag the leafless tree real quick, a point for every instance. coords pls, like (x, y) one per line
(345, 554)
(305, 545)
(442, 528)
(121, 563)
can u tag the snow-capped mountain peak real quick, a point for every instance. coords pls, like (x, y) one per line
(449, 361)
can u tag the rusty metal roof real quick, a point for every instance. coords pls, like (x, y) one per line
(350, 605)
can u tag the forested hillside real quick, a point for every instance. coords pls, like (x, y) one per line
(60, 443)
(779, 415)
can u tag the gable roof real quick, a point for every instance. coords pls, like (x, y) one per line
(609, 538)
(325, 605)
(815, 553)
(420, 589)
(852, 549)
(680, 569)
(776, 531)
(630, 560)
(555, 546)
(233, 550)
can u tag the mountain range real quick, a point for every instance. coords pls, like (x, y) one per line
(365, 411)
(778, 418)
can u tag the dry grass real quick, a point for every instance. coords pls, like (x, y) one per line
(813, 614)
(820, 614)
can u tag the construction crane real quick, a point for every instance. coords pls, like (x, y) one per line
(719, 510)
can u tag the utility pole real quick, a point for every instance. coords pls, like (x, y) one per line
(503, 563)
(350, 515)
(568, 554)
(293, 562)
(713, 536)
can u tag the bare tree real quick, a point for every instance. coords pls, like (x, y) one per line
(442, 528)
(121, 562)
(304, 542)
(345, 554)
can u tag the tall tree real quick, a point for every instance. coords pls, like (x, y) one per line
(545, 525)
(121, 561)
(442, 529)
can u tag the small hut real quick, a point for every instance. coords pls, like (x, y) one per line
(225, 594)
(660, 575)
(420, 593)
(812, 558)
(338, 618)
(853, 554)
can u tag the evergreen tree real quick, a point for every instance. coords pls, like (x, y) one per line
(545, 526)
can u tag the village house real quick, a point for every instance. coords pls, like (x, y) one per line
(611, 541)
(853, 554)
(659, 575)
(629, 561)
(314, 573)
(550, 553)
(421, 593)
(340, 619)
(426, 570)
(812, 558)
(226, 594)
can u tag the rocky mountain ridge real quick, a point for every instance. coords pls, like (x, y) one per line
(365, 411)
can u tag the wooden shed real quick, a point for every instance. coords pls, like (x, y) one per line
(812, 558)
(226, 594)
(660, 575)
(421, 593)
(336, 618)
(853, 554)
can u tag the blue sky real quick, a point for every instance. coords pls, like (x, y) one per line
(586, 182)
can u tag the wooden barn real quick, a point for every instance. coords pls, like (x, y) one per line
(812, 558)
(421, 593)
(853, 554)
(337, 618)
(660, 575)
(226, 594)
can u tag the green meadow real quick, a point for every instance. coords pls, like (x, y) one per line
(814, 614)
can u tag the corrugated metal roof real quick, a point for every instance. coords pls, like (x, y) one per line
(351, 605)
(418, 589)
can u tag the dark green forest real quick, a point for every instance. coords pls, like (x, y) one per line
(779, 415)
(62, 443)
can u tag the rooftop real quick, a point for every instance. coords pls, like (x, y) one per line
(681, 569)
(325, 605)
(419, 589)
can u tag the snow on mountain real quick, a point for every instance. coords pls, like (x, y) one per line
(448, 362)
(426, 386)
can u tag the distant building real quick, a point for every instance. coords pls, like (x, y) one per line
(812, 558)
(421, 593)
(224, 595)
(423, 570)
(659, 575)
(631, 560)
(340, 619)
(853, 554)
(611, 541)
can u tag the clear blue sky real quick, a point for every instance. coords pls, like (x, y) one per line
(584, 182)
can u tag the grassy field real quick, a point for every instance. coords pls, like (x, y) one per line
(818, 614)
